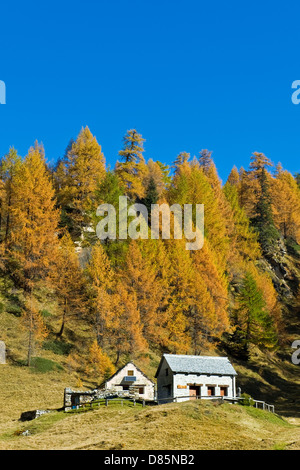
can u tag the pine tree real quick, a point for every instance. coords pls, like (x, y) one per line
(191, 186)
(133, 169)
(286, 204)
(244, 239)
(151, 196)
(263, 219)
(34, 230)
(157, 175)
(99, 363)
(9, 168)
(33, 323)
(234, 177)
(101, 281)
(127, 338)
(109, 192)
(181, 162)
(141, 278)
(205, 160)
(253, 319)
(66, 280)
(78, 176)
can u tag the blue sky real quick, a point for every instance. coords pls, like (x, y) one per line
(187, 75)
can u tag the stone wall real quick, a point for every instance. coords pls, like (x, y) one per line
(74, 399)
(2, 353)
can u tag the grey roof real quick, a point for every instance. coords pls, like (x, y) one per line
(198, 364)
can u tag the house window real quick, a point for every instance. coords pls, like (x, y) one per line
(125, 387)
(224, 391)
(167, 372)
(211, 391)
(130, 372)
(141, 390)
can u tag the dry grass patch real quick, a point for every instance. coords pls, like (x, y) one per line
(177, 426)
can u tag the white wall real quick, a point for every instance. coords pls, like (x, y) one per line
(205, 381)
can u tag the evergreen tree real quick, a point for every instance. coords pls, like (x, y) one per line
(205, 159)
(252, 317)
(78, 176)
(263, 219)
(132, 169)
(151, 196)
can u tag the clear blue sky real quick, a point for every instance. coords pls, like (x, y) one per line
(186, 74)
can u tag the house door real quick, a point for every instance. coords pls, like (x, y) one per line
(75, 401)
(194, 391)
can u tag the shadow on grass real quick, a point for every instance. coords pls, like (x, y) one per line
(274, 389)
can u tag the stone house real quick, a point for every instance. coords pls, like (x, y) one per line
(127, 382)
(187, 377)
(130, 378)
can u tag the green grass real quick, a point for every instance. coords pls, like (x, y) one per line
(36, 426)
(42, 365)
(263, 415)
(280, 446)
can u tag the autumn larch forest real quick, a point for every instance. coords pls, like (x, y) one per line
(138, 296)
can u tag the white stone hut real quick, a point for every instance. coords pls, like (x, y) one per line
(130, 378)
(187, 377)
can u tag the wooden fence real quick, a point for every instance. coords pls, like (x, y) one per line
(257, 403)
(105, 402)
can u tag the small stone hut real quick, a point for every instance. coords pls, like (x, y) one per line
(130, 378)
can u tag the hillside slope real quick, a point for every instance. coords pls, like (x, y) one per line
(189, 425)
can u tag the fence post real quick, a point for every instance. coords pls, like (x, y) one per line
(106, 402)
(143, 402)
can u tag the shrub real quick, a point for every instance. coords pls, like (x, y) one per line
(45, 313)
(58, 347)
(15, 310)
(246, 400)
